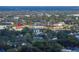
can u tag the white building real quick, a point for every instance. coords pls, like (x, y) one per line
(27, 15)
(59, 24)
(3, 27)
(16, 17)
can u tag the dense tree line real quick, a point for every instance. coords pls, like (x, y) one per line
(23, 41)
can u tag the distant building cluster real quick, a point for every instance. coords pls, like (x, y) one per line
(19, 20)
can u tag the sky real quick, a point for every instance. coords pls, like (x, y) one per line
(39, 2)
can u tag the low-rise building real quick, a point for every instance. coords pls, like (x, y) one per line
(4, 25)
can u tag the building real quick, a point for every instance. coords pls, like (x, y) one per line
(59, 24)
(38, 34)
(19, 27)
(4, 25)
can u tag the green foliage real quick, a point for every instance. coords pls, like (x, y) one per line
(48, 46)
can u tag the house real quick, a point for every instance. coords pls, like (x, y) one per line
(38, 33)
(27, 15)
(16, 17)
(39, 24)
(59, 24)
(19, 27)
(66, 50)
(4, 25)
(74, 15)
